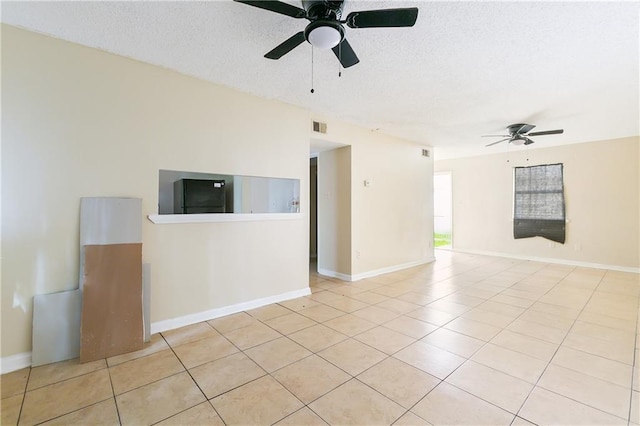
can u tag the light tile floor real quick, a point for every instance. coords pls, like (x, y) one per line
(466, 340)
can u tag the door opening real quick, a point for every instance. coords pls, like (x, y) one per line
(313, 211)
(442, 211)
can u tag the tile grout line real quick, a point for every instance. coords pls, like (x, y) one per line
(504, 328)
(556, 351)
(192, 378)
(559, 345)
(113, 391)
(62, 381)
(396, 284)
(469, 358)
(270, 374)
(352, 377)
(558, 281)
(419, 339)
(635, 361)
(267, 373)
(24, 395)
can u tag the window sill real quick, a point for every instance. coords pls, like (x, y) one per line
(160, 219)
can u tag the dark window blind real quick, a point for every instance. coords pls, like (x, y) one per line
(539, 202)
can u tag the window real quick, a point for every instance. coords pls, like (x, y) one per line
(539, 202)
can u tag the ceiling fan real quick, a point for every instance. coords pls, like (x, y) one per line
(519, 134)
(326, 30)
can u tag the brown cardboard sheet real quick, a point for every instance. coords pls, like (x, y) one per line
(112, 301)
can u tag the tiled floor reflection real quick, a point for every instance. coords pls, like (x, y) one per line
(468, 340)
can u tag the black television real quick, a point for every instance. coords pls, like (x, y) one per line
(192, 196)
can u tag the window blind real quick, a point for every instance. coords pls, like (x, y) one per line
(539, 209)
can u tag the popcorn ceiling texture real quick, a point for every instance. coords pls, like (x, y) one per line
(465, 69)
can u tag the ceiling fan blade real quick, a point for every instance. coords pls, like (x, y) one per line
(525, 128)
(547, 132)
(527, 141)
(405, 17)
(495, 136)
(345, 54)
(278, 7)
(286, 46)
(494, 143)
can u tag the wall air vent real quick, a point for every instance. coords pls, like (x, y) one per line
(319, 127)
(426, 153)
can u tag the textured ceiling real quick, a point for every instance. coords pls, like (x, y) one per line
(465, 69)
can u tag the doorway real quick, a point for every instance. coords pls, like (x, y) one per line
(442, 211)
(313, 211)
(329, 183)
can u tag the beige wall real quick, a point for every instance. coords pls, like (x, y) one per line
(602, 188)
(392, 219)
(334, 212)
(80, 122)
(393, 216)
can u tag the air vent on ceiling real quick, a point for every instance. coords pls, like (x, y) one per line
(426, 153)
(319, 127)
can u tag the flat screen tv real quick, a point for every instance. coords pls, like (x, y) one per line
(191, 196)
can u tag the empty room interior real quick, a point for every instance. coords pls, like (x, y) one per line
(320, 212)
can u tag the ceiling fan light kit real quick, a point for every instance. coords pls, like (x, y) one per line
(326, 30)
(519, 134)
(323, 34)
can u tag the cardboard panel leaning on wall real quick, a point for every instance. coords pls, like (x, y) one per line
(112, 321)
(81, 122)
(602, 192)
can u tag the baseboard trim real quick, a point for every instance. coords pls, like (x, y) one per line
(334, 274)
(375, 272)
(552, 260)
(394, 268)
(170, 324)
(15, 362)
(23, 360)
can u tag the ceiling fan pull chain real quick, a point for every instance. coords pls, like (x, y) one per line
(312, 69)
(340, 60)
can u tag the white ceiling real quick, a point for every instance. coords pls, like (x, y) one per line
(464, 70)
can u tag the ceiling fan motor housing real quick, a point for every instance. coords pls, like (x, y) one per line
(323, 9)
(519, 128)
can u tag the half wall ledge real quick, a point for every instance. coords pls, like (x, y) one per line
(160, 219)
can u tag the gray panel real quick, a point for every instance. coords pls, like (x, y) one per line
(146, 300)
(56, 327)
(109, 220)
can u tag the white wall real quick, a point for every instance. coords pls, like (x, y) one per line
(80, 122)
(602, 192)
